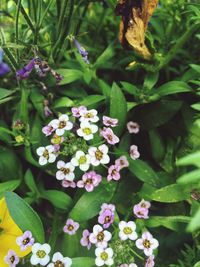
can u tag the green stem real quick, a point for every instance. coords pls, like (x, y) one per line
(136, 254)
(45, 12)
(54, 233)
(17, 26)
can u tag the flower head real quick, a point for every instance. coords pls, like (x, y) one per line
(81, 51)
(89, 181)
(82, 160)
(104, 256)
(85, 241)
(4, 68)
(127, 230)
(59, 261)
(48, 130)
(61, 124)
(89, 115)
(65, 172)
(47, 154)
(110, 137)
(147, 243)
(107, 121)
(100, 237)
(76, 111)
(150, 261)
(133, 127)
(66, 183)
(87, 130)
(25, 71)
(134, 153)
(106, 215)
(40, 254)
(11, 258)
(99, 155)
(141, 210)
(25, 241)
(71, 227)
(122, 162)
(114, 173)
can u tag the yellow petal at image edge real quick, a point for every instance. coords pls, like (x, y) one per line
(9, 234)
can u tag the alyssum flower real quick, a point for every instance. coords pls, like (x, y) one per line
(106, 215)
(59, 261)
(133, 127)
(114, 172)
(108, 121)
(89, 115)
(100, 237)
(104, 256)
(99, 155)
(87, 130)
(127, 230)
(141, 210)
(71, 227)
(61, 124)
(122, 162)
(82, 160)
(150, 261)
(47, 154)
(25, 241)
(128, 265)
(65, 171)
(147, 243)
(40, 254)
(109, 136)
(11, 259)
(134, 153)
(85, 241)
(89, 181)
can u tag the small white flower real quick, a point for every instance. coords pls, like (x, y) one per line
(89, 115)
(61, 124)
(82, 160)
(66, 171)
(40, 254)
(59, 261)
(100, 237)
(147, 243)
(87, 130)
(47, 154)
(104, 256)
(99, 155)
(127, 230)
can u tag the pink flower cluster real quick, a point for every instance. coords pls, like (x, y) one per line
(114, 170)
(141, 210)
(106, 215)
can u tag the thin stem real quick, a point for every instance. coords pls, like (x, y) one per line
(136, 254)
(45, 12)
(17, 26)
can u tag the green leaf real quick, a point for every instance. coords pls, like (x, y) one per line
(150, 80)
(129, 88)
(89, 204)
(70, 75)
(107, 54)
(5, 93)
(157, 145)
(196, 106)
(30, 182)
(194, 224)
(24, 216)
(59, 199)
(92, 100)
(192, 159)
(171, 193)
(8, 186)
(195, 67)
(63, 102)
(83, 262)
(191, 177)
(118, 107)
(143, 172)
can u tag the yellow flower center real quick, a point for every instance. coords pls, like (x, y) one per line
(104, 256)
(62, 124)
(41, 254)
(46, 154)
(88, 181)
(127, 230)
(56, 140)
(82, 160)
(87, 131)
(12, 259)
(26, 241)
(100, 236)
(107, 219)
(58, 264)
(146, 243)
(98, 154)
(70, 227)
(89, 115)
(65, 170)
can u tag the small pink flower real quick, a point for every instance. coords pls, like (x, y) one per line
(76, 111)
(107, 121)
(122, 162)
(134, 153)
(114, 173)
(25, 241)
(128, 265)
(147, 243)
(85, 242)
(150, 261)
(110, 137)
(141, 210)
(106, 206)
(48, 130)
(66, 183)
(71, 227)
(133, 127)
(89, 181)
(11, 258)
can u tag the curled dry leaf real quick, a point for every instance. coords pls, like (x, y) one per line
(135, 17)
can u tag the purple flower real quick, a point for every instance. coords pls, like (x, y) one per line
(106, 218)
(147, 243)
(25, 71)
(66, 183)
(25, 241)
(4, 68)
(76, 111)
(122, 162)
(85, 242)
(141, 210)
(114, 173)
(89, 181)
(106, 206)
(48, 130)
(150, 261)
(47, 111)
(71, 227)
(134, 153)
(110, 137)
(133, 127)
(11, 258)
(82, 51)
(107, 121)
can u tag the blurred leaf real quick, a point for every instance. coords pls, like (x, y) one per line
(151, 79)
(24, 216)
(59, 199)
(157, 145)
(105, 56)
(195, 67)
(70, 75)
(30, 182)
(8, 186)
(192, 159)
(63, 102)
(91, 100)
(5, 93)
(189, 178)
(118, 107)
(194, 224)
(129, 88)
(83, 262)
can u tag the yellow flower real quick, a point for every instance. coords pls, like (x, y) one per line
(9, 231)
